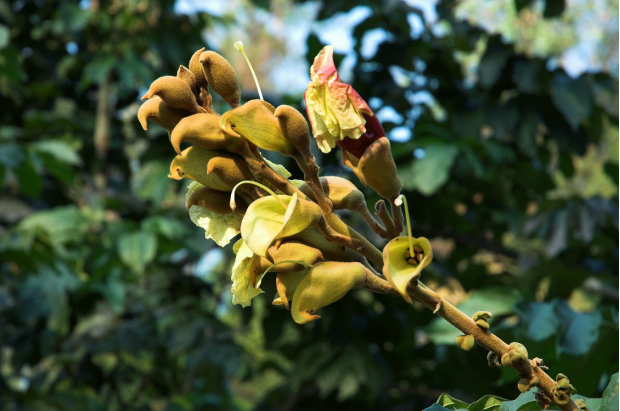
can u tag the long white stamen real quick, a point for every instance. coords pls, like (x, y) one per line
(233, 203)
(400, 200)
(239, 46)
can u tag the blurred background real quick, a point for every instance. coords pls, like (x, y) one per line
(503, 117)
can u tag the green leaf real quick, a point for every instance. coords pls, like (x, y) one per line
(498, 300)
(487, 403)
(572, 98)
(170, 228)
(5, 35)
(610, 396)
(451, 403)
(431, 172)
(539, 319)
(60, 150)
(523, 402)
(137, 249)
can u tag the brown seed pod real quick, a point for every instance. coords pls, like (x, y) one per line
(294, 127)
(160, 113)
(187, 76)
(215, 201)
(193, 163)
(196, 68)
(342, 193)
(231, 170)
(331, 250)
(379, 170)
(175, 93)
(222, 77)
(291, 250)
(203, 129)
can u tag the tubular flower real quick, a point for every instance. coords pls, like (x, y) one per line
(221, 228)
(242, 273)
(334, 108)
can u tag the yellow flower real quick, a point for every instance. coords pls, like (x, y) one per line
(334, 108)
(245, 261)
(221, 228)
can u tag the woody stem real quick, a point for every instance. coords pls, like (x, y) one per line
(485, 338)
(398, 218)
(332, 223)
(261, 169)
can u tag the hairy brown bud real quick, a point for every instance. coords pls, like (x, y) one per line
(376, 168)
(230, 169)
(331, 250)
(516, 353)
(342, 193)
(196, 68)
(187, 76)
(294, 127)
(221, 77)
(203, 129)
(175, 93)
(160, 113)
(215, 201)
(466, 342)
(193, 163)
(291, 250)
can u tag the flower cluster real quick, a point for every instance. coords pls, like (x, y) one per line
(287, 227)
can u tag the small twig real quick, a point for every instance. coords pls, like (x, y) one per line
(398, 218)
(386, 218)
(370, 220)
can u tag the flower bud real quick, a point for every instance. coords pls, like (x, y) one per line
(230, 169)
(255, 122)
(342, 193)
(331, 250)
(215, 201)
(516, 353)
(325, 283)
(401, 267)
(193, 163)
(466, 342)
(294, 128)
(480, 318)
(160, 113)
(376, 168)
(526, 384)
(196, 68)
(493, 360)
(291, 250)
(203, 129)
(175, 93)
(266, 220)
(286, 285)
(221, 77)
(187, 76)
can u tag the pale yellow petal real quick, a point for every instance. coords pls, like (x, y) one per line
(242, 290)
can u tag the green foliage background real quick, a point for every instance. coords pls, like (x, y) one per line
(104, 307)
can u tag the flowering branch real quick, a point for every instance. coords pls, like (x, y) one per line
(295, 231)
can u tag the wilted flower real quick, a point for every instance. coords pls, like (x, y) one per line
(334, 108)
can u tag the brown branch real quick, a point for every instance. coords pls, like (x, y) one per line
(483, 337)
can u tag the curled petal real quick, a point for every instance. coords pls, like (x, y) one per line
(397, 270)
(335, 110)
